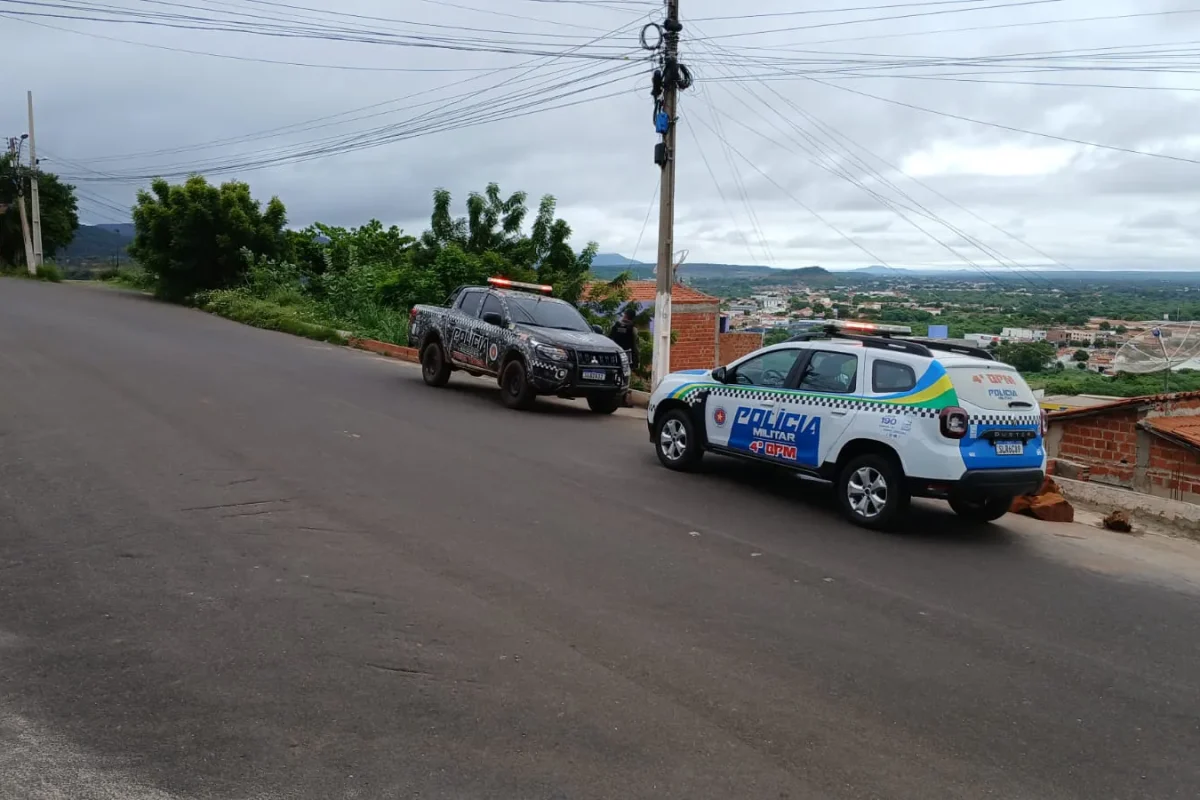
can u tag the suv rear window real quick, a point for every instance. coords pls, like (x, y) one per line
(888, 377)
(992, 387)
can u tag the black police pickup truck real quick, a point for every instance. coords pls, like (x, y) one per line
(531, 343)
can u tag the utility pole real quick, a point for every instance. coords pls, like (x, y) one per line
(669, 79)
(14, 147)
(34, 197)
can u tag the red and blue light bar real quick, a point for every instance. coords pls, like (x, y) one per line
(505, 283)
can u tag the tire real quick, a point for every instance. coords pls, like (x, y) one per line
(434, 367)
(606, 403)
(885, 499)
(987, 509)
(515, 389)
(675, 441)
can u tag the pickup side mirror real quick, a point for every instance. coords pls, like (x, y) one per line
(492, 318)
(598, 329)
(719, 374)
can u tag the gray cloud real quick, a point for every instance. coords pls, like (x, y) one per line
(99, 99)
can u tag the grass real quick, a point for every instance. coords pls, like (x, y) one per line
(266, 314)
(286, 308)
(46, 272)
(129, 277)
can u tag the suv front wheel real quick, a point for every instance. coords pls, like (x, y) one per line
(515, 389)
(676, 442)
(871, 491)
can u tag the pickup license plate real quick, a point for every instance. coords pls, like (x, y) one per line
(1010, 448)
(595, 375)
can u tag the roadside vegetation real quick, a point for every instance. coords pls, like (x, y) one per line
(218, 248)
(46, 272)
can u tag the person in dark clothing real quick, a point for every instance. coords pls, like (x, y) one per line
(626, 335)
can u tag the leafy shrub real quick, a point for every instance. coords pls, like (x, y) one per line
(193, 236)
(49, 272)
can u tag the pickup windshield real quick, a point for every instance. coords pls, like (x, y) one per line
(544, 312)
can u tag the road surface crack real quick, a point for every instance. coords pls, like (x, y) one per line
(235, 505)
(400, 670)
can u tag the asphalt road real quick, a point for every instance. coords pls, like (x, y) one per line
(235, 564)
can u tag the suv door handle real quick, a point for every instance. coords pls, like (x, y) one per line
(838, 413)
(768, 403)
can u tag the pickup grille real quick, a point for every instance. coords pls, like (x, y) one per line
(592, 359)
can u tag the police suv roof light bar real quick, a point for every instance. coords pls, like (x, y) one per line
(868, 327)
(505, 283)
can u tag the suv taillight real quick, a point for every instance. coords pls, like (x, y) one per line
(1045, 427)
(953, 422)
(412, 314)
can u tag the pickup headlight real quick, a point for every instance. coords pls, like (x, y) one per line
(551, 353)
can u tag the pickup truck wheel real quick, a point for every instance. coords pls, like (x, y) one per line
(606, 403)
(676, 442)
(434, 368)
(871, 491)
(984, 509)
(515, 390)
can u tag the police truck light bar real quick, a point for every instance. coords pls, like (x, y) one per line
(505, 283)
(868, 327)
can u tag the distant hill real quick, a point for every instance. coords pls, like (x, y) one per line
(609, 265)
(97, 243)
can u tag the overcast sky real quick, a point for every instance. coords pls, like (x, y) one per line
(803, 166)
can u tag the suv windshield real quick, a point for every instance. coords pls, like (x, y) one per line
(545, 313)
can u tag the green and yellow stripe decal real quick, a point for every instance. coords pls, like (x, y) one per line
(933, 391)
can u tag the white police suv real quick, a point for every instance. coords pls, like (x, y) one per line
(883, 416)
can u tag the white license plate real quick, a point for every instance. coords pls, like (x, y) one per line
(1010, 448)
(594, 375)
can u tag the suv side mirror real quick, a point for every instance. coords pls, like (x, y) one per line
(492, 318)
(719, 374)
(598, 329)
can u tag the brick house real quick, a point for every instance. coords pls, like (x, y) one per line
(1148, 444)
(696, 323)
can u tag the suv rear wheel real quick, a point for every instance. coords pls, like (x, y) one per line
(871, 491)
(983, 509)
(434, 368)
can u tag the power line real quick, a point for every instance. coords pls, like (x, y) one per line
(890, 18)
(820, 152)
(997, 26)
(1010, 128)
(808, 11)
(720, 191)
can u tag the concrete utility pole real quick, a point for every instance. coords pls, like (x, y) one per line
(671, 78)
(14, 147)
(34, 197)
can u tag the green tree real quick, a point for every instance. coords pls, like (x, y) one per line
(59, 210)
(1105, 325)
(1081, 356)
(195, 236)
(491, 234)
(1122, 330)
(776, 336)
(1026, 356)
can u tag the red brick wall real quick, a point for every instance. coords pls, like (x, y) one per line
(735, 345)
(695, 345)
(1107, 443)
(1173, 470)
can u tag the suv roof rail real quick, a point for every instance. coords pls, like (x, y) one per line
(881, 342)
(959, 349)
